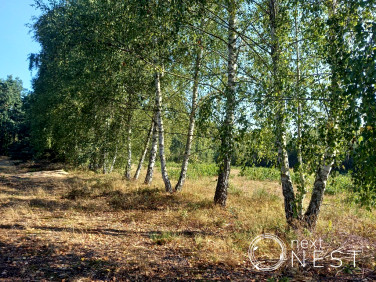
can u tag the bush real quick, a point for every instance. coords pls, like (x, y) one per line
(338, 184)
(261, 173)
(198, 170)
(195, 170)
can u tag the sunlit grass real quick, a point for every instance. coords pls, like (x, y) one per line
(89, 208)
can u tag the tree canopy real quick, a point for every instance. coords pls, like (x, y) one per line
(278, 83)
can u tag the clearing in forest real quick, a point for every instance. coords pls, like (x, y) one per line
(57, 225)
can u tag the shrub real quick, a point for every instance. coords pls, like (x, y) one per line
(195, 170)
(338, 184)
(261, 173)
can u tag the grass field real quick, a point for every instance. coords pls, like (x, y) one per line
(84, 226)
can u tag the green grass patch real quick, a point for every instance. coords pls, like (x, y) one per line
(195, 170)
(339, 183)
(261, 173)
(162, 237)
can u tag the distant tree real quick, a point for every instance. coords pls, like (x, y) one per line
(11, 114)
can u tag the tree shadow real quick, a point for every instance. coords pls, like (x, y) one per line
(34, 260)
(106, 231)
(23, 185)
(27, 258)
(49, 205)
(153, 199)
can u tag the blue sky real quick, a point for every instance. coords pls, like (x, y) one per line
(16, 42)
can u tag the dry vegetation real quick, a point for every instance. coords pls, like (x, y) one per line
(84, 226)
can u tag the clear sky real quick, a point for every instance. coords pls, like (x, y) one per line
(16, 42)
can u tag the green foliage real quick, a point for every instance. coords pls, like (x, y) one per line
(304, 94)
(361, 107)
(339, 184)
(261, 173)
(11, 113)
(203, 169)
(195, 170)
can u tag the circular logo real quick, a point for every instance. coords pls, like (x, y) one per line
(263, 264)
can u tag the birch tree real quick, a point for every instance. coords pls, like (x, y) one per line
(192, 116)
(226, 149)
(334, 55)
(158, 103)
(144, 152)
(153, 154)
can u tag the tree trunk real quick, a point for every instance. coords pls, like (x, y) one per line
(158, 102)
(105, 152)
(114, 159)
(220, 196)
(311, 215)
(280, 122)
(323, 172)
(129, 149)
(94, 164)
(146, 146)
(104, 165)
(287, 187)
(301, 188)
(192, 119)
(153, 154)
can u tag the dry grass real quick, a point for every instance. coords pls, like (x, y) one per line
(88, 226)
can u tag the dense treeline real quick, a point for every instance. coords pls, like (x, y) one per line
(14, 125)
(122, 83)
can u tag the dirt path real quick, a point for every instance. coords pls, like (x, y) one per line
(6, 166)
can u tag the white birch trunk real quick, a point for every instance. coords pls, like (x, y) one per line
(280, 123)
(319, 186)
(104, 169)
(153, 154)
(287, 187)
(105, 152)
(129, 149)
(220, 196)
(301, 187)
(192, 119)
(146, 146)
(158, 102)
(114, 159)
(313, 210)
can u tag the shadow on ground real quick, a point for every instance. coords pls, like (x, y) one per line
(33, 260)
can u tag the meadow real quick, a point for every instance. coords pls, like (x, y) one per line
(85, 226)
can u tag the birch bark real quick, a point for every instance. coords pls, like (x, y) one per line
(114, 159)
(220, 196)
(192, 119)
(146, 146)
(153, 154)
(280, 122)
(104, 165)
(129, 149)
(313, 210)
(301, 187)
(158, 102)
